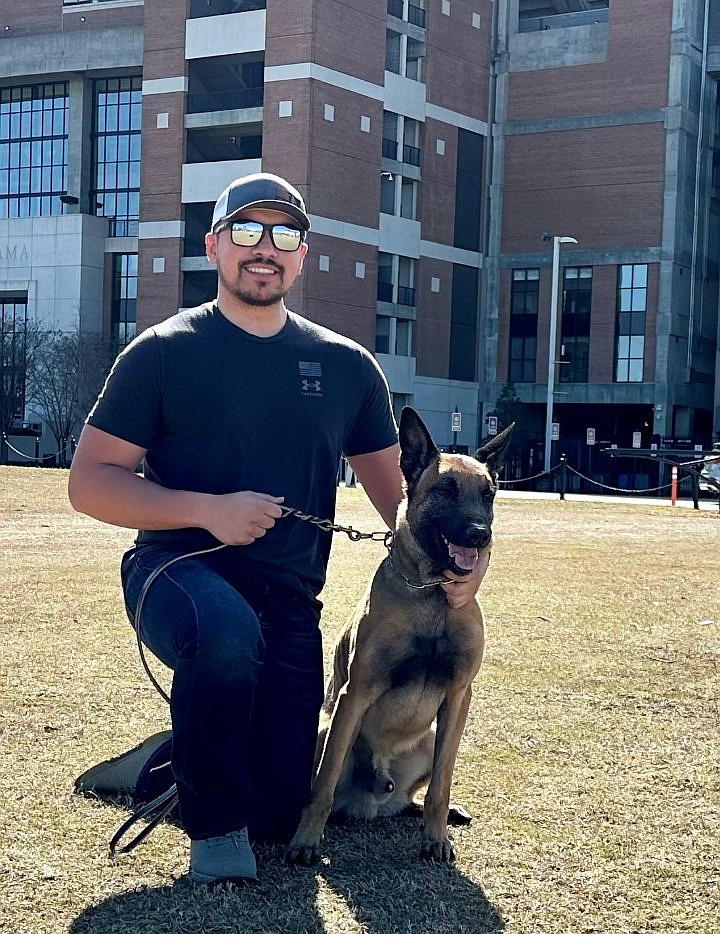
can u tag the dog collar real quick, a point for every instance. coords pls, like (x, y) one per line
(442, 580)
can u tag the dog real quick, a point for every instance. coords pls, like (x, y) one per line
(397, 701)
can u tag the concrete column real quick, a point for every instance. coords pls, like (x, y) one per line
(79, 170)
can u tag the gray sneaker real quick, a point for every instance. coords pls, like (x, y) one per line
(121, 773)
(222, 859)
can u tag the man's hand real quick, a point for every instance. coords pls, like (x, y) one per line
(241, 518)
(463, 589)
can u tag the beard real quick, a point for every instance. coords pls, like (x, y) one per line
(254, 296)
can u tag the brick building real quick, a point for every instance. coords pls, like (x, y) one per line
(435, 142)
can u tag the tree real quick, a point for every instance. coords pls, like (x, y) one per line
(20, 341)
(64, 379)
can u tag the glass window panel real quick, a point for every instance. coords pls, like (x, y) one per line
(635, 371)
(626, 277)
(637, 323)
(586, 272)
(625, 299)
(402, 337)
(640, 273)
(637, 347)
(638, 299)
(382, 335)
(623, 346)
(533, 273)
(621, 371)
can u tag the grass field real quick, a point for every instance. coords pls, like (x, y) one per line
(590, 759)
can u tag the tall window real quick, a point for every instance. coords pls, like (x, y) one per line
(13, 358)
(393, 336)
(33, 149)
(116, 153)
(630, 323)
(123, 308)
(523, 325)
(575, 331)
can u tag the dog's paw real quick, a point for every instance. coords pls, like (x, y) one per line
(303, 854)
(437, 851)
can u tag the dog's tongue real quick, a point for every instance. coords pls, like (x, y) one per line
(465, 558)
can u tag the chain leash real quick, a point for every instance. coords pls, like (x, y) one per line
(353, 534)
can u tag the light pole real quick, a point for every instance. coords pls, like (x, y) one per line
(553, 337)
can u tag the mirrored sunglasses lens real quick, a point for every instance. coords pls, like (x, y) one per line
(247, 234)
(286, 238)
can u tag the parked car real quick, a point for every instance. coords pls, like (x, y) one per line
(711, 471)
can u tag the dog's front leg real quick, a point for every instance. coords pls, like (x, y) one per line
(350, 706)
(450, 725)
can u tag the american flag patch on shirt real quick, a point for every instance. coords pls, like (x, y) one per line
(309, 369)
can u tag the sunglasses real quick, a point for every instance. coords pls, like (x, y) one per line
(249, 233)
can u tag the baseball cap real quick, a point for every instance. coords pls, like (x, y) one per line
(261, 190)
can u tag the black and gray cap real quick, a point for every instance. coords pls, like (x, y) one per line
(259, 191)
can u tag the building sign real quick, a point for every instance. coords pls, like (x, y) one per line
(12, 253)
(555, 434)
(637, 439)
(492, 424)
(456, 421)
(591, 436)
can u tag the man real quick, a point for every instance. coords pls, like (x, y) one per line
(235, 408)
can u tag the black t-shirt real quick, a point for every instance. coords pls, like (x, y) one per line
(220, 410)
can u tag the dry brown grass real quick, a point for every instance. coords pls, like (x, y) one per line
(590, 760)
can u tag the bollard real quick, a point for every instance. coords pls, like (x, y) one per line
(37, 452)
(673, 484)
(563, 476)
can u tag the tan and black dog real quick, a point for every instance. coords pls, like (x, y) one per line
(407, 659)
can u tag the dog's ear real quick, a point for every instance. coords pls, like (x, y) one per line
(493, 453)
(417, 449)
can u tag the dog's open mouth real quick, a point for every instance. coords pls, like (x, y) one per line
(465, 558)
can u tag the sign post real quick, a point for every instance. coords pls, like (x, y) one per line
(455, 425)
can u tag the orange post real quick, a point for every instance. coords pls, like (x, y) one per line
(673, 484)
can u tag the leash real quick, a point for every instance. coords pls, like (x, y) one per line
(157, 809)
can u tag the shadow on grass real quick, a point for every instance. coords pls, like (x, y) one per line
(372, 882)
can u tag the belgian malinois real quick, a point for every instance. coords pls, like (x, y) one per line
(407, 659)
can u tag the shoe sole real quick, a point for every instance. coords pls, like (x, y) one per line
(200, 878)
(121, 773)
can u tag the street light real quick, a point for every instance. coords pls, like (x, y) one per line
(553, 337)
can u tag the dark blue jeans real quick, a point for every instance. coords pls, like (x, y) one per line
(246, 692)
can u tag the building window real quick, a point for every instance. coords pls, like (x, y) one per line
(33, 149)
(116, 153)
(396, 275)
(398, 195)
(13, 358)
(575, 329)
(630, 323)
(123, 309)
(523, 325)
(393, 336)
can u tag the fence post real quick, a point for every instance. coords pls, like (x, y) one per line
(563, 476)
(37, 451)
(673, 484)
(695, 478)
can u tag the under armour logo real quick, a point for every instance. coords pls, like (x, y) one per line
(311, 385)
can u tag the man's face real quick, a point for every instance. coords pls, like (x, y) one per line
(259, 275)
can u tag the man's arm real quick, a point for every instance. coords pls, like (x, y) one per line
(380, 475)
(103, 484)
